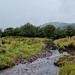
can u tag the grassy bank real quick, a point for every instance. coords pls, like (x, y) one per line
(66, 63)
(67, 69)
(12, 47)
(67, 43)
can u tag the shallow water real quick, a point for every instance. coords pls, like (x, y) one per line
(42, 66)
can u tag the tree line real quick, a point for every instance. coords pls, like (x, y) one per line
(29, 30)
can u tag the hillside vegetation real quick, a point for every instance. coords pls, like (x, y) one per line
(48, 31)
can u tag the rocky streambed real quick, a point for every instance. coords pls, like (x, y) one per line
(42, 66)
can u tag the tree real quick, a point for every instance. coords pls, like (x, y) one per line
(49, 30)
(59, 33)
(70, 31)
(8, 32)
(40, 32)
(0, 32)
(28, 30)
(17, 31)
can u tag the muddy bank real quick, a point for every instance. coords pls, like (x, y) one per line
(42, 54)
(42, 66)
(69, 50)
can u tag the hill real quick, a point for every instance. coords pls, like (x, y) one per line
(59, 24)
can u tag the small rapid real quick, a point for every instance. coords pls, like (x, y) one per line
(42, 66)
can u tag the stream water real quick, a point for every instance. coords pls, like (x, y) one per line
(42, 66)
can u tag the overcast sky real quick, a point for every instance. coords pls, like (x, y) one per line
(14, 13)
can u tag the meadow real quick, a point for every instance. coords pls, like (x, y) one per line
(13, 47)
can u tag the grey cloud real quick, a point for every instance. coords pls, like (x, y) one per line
(17, 12)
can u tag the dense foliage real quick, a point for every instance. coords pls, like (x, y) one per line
(12, 48)
(29, 30)
(0, 32)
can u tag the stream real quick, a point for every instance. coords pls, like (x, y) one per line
(42, 66)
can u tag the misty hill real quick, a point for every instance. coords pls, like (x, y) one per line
(59, 24)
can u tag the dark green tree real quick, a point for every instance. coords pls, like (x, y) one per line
(8, 32)
(17, 31)
(48, 31)
(0, 32)
(28, 30)
(70, 31)
(59, 33)
(41, 32)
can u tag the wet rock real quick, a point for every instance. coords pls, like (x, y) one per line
(47, 58)
(26, 69)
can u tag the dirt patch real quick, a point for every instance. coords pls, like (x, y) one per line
(42, 54)
(19, 60)
(30, 59)
(71, 51)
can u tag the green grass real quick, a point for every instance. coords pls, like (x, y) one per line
(66, 43)
(67, 69)
(66, 64)
(63, 59)
(11, 47)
